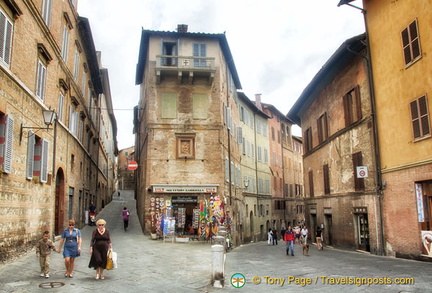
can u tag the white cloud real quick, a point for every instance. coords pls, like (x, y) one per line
(278, 45)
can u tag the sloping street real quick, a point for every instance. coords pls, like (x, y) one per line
(146, 265)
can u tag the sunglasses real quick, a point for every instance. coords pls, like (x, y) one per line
(101, 225)
(71, 224)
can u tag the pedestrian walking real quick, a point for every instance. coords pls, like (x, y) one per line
(282, 233)
(71, 237)
(99, 245)
(318, 235)
(43, 251)
(274, 236)
(304, 234)
(269, 236)
(289, 239)
(125, 214)
(297, 234)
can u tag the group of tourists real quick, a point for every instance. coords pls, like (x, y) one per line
(297, 235)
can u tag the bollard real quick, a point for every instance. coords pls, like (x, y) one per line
(218, 258)
(219, 240)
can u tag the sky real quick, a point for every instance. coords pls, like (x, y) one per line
(278, 45)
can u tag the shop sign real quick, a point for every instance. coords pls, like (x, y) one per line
(184, 199)
(184, 189)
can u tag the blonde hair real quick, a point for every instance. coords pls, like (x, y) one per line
(72, 222)
(101, 222)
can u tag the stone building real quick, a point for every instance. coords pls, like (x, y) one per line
(126, 179)
(284, 166)
(340, 173)
(51, 170)
(400, 42)
(186, 128)
(256, 202)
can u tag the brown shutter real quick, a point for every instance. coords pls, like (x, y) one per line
(326, 179)
(415, 119)
(358, 103)
(311, 184)
(424, 116)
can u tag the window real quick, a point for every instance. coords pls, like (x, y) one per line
(41, 80)
(352, 106)
(420, 117)
(6, 140)
(73, 120)
(411, 43)
(169, 105)
(65, 43)
(322, 124)
(169, 49)
(308, 140)
(200, 106)
(5, 38)
(226, 170)
(60, 107)
(311, 184)
(46, 11)
(358, 161)
(76, 65)
(185, 146)
(199, 50)
(37, 158)
(326, 175)
(273, 133)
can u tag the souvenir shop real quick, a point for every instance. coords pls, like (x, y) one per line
(195, 211)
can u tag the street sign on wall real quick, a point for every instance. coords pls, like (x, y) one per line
(362, 172)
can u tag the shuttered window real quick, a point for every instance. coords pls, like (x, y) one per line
(200, 106)
(420, 117)
(46, 11)
(6, 140)
(37, 158)
(322, 124)
(352, 106)
(199, 50)
(411, 43)
(169, 105)
(326, 175)
(308, 140)
(41, 80)
(359, 184)
(5, 38)
(311, 185)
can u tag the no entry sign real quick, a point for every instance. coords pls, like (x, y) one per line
(132, 165)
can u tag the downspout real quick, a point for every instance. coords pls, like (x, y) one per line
(368, 58)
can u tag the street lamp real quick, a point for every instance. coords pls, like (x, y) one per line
(48, 115)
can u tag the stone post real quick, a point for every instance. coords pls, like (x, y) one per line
(218, 259)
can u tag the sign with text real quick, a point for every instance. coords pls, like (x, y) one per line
(184, 189)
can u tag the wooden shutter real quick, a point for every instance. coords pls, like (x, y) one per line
(44, 162)
(169, 105)
(358, 161)
(311, 184)
(200, 106)
(30, 154)
(5, 38)
(326, 175)
(420, 117)
(6, 143)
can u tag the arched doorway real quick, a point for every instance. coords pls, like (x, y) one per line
(59, 202)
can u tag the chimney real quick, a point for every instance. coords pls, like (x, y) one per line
(182, 28)
(258, 101)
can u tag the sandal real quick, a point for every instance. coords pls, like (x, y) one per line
(97, 277)
(66, 275)
(70, 276)
(102, 277)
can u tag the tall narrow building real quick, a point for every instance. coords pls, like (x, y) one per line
(187, 134)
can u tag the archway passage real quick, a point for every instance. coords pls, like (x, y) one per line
(59, 202)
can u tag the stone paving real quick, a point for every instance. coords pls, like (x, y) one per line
(147, 265)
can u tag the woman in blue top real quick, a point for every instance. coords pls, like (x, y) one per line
(71, 237)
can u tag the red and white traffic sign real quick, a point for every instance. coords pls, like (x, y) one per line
(132, 165)
(362, 172)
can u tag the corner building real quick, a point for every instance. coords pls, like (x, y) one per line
(187, 133)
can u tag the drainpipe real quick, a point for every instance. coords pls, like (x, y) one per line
(368, 58)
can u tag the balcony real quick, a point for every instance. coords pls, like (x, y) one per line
(185, 68)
